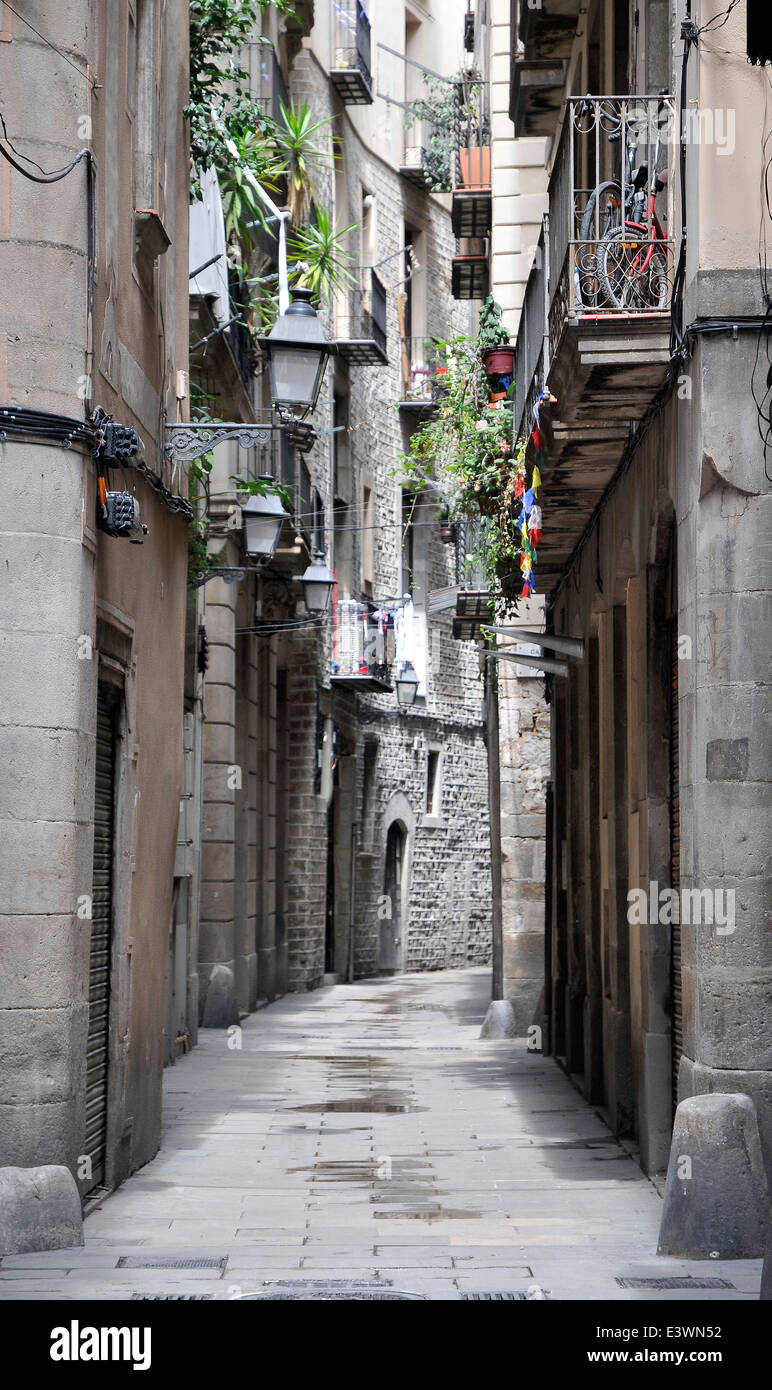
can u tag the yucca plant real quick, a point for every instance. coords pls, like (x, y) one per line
(321, 261)
(252, 165)
(299, 155)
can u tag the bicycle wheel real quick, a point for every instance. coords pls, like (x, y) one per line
(626, 281)
(602, 214)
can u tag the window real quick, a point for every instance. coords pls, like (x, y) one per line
(368, 546)
(434, 783)
(317, 521)
(369, 793)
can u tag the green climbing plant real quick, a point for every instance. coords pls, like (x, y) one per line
(466, 450)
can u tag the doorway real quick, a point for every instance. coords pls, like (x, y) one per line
(100, 950)
(390, 952)
(329, 916)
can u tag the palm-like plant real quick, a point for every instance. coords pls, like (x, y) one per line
(322, 263)
(300, 156)
(252, 166)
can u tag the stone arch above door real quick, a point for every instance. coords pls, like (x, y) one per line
(399, 817)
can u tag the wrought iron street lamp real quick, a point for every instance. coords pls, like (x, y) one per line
(406, 685)
(297, 353)
(317, 584)
(262, 520)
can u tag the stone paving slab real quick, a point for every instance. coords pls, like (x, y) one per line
(366, 1132)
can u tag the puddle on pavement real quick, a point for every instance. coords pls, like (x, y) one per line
(361, 1105)
(434, 1214)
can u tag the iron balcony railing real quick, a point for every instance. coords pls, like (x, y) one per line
(363, 640)
(266, 80)
(472, 194)
(351, 51)
(429, 154)
(239, 336)
(361, 319)
(423, 371)
(533, 345)
(610, 208)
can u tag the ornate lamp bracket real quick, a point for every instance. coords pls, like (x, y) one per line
(184, 443)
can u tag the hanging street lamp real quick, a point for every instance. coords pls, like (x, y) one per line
(262, 520)
(317, 584)
(406, 686)
(297, 353)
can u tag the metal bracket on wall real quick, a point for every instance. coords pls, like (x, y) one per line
(187, 442)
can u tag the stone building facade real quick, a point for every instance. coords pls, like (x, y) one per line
(655, 506)
(93, 316)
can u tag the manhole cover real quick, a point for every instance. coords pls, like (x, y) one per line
(169, 1262)
(328, 1291)
(675, 1282)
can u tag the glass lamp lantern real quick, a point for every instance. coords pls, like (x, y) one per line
(262, 520)
(317, 584)
(406, 685)
(297, 353)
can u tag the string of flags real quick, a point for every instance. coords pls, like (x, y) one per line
(529, 521)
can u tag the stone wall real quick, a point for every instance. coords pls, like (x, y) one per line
(693, 490)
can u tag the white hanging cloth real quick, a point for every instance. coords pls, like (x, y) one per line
(404, 634)
(207, 239)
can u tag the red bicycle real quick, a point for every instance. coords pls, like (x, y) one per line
(631, 264)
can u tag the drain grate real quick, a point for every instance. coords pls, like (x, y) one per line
(170, 1297)
(169, 1262)
(675, 1282)
(327, 1291)
(496, 1295)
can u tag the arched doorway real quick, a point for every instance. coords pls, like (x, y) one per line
(391, 926)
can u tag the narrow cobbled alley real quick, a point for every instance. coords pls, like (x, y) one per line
(364, 1134)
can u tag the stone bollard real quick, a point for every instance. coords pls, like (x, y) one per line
(39, 1210)
(716, 1195)
(219, 1006)
(499, 1021)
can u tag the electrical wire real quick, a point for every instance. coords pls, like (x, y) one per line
(48, 42)
(718, 21)
(53, 177)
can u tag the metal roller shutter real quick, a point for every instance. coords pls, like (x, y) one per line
(101, 939)
(675, 867)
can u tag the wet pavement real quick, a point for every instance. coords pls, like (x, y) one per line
(364, 1135)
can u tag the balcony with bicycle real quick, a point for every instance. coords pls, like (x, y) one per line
(593, 344)
(610, 257)
(360, 323)
(350, 63)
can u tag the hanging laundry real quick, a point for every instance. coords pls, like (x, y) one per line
(404, 620)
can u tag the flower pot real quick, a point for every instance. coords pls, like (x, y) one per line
(475, 162)
(447, 532)
(499, 361)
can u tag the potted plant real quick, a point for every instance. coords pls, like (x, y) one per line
(493, 339)
(447, 527)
